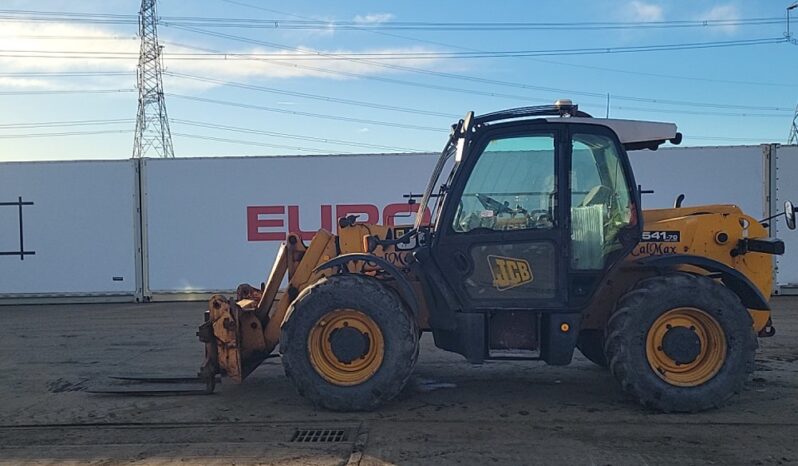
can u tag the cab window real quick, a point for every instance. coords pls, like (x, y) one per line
(601, 203)
(512, 186)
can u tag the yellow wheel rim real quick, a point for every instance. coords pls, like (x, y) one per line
(363, 355)
(702, 362)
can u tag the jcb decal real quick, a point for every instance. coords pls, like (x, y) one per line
(509, 272)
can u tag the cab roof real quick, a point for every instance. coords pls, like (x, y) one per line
(633, 134)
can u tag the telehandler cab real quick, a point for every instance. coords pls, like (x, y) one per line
(533, 244)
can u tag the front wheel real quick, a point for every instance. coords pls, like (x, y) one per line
(681, 343)
(349, 343)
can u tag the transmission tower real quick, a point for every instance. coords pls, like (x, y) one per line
(152, 124)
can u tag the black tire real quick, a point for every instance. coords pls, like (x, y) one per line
(364, 294)
(638, 310)
(591, 344)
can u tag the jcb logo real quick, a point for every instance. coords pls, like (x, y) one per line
(509, 272)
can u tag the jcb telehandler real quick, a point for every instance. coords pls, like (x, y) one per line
(531, 245)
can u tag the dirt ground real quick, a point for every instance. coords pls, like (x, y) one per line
(452, 412)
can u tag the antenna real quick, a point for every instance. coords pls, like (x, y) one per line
(793, 137)
(152, 124)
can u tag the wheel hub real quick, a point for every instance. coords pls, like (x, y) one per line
(348, 344)
(346, 347)
(682, 344)
(686, 346)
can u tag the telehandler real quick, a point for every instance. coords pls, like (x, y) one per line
(528, 242)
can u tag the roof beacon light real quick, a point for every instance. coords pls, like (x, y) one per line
(565, 106)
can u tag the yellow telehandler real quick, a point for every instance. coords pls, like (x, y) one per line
(528, 242)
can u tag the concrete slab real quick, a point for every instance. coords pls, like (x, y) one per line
(451, 412)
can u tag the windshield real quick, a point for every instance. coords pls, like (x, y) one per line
(446, 156)
(511, 186)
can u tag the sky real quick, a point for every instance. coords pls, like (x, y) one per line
(302, 98)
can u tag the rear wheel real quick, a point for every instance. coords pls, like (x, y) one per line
(681, 343)
(349, 344)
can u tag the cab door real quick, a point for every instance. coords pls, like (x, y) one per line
(501, 238)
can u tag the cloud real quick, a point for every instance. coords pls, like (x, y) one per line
(25, 83)
(373, 18)
(85, 43)
(82, 41)
(722, 12)
(363, 130)
(641, 11)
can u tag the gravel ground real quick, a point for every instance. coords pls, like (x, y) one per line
(451, 412)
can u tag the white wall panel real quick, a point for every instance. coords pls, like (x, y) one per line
(787, 189)
(213, 223)
(706, 175)
(79, 229)
(197, 209)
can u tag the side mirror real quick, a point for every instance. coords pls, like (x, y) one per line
(789, 215)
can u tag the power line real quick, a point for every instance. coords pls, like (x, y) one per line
(67, 74)
(667, 76)
(364, 27)
(304, 149)
(539, 60)
(61, 54)
(255, 143)
(457, 27)
(568, 91)
(474, 54)
(461, 26)
(67, 91)
(728, 138)
(68, 133)
(31, 13)
(464, 77)
(69, 37)
(305, 95)
(311, 115)
(470, 92)
(57, 124)
(399, 109)
(413, 55)
(698, 112)
(288, 136)
(45, 16)
(383, 79)
(29, 16)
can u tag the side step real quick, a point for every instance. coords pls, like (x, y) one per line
(513, 355)
(159, 386)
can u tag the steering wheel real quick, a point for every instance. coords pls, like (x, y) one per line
(492, 204)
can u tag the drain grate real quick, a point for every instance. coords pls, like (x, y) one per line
(320, 435)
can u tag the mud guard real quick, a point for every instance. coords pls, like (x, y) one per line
(749, 294)
(404, 288)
